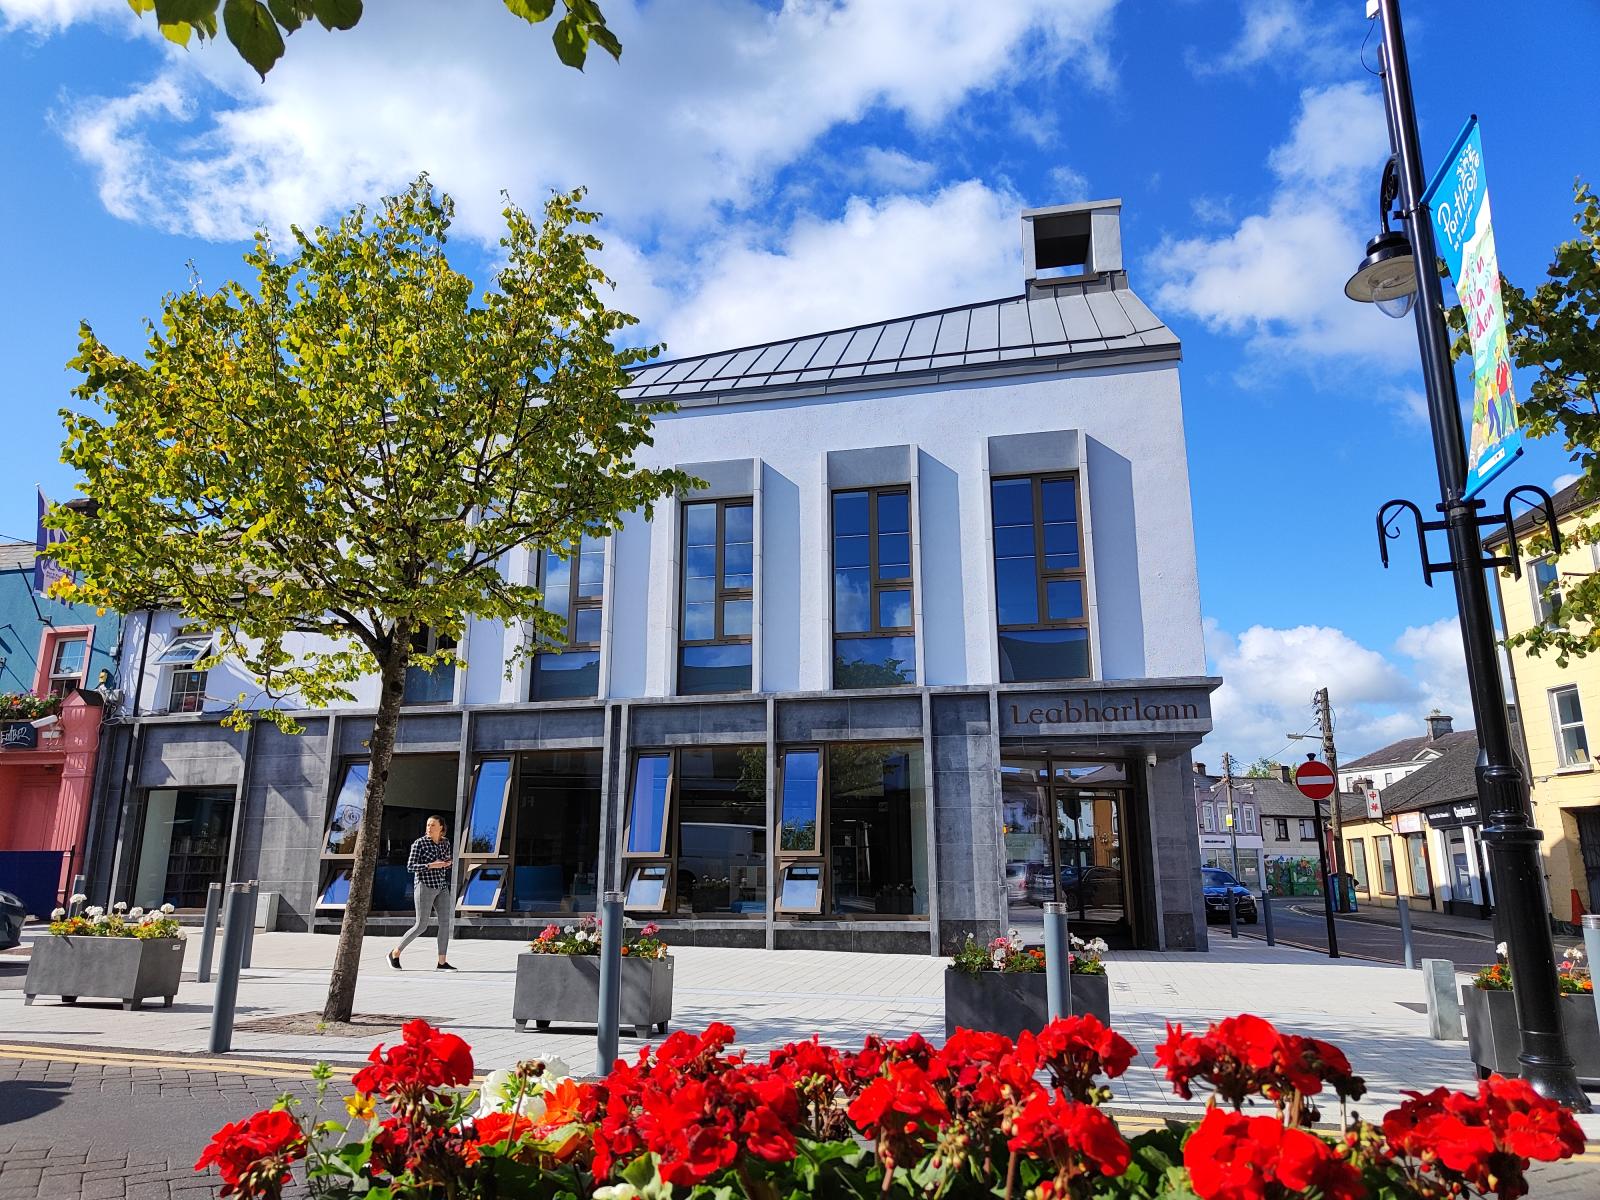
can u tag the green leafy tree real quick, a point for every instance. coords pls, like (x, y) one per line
(257, 27)
(325, 465)
(1555, 330)
(1262, 768)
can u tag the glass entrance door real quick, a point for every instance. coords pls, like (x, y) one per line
(1063, 822)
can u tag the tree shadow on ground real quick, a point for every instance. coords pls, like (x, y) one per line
(23, 1099)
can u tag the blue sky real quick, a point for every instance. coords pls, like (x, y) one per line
(768, 170)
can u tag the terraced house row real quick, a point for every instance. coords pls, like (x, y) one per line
(923, 653)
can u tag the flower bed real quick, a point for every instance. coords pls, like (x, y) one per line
(1002, 988)
(558, 980)
(970, 1119)
(25, 706)
(1494, 1038)
(128, 955)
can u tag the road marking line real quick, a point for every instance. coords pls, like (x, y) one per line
(230, 1066)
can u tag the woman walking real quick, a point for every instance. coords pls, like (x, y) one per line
(432, 890)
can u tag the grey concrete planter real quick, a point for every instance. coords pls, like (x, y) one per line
(1494, 1042)
(131, 970)
(995, 1002)
(564, 989)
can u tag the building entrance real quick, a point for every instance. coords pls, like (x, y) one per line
(1065, 829)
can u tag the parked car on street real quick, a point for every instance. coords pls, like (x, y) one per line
(1217, 884)
(12, 914)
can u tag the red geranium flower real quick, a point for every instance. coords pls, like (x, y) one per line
(254, 1154)
(1076, 1137)
(1080, 1049)
(1234, 1157)
(425, 1060)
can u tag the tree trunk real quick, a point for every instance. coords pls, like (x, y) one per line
(347, 956)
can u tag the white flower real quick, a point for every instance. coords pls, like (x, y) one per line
(496, 1094)
(168, 909)
(571, 929)
(57, 913)
(135, 913)
(999, 960)
(617, 1191)
(120, 906)
(94, 912)
(76, 898)
(1099, 946)
(1500, 949)
(1075, 941)
(1013, 936)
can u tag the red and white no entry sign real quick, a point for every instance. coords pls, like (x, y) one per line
(1314, 780)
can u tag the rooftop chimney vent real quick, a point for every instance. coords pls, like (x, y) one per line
(1071, 243)
(1438, 725)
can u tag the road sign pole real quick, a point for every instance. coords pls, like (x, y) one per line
(1317, 783)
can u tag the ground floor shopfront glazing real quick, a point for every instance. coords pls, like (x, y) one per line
(901, 820)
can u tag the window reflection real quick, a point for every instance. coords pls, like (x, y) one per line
(871, 599)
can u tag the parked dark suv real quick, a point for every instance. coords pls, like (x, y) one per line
(12, 914)
(1217, 883)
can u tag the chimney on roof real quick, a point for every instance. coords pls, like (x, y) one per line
(1438, 725)
(1284, 773)
(1199, 768)
(1071, 243)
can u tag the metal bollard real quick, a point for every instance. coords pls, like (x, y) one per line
(1233, 913)
(610, 983)
(1266, 916)
(1405, 931)
(1057, 961)
(235, 920)
(1591, 946)
(1444, 1000)
(250, 925)
(208, 932)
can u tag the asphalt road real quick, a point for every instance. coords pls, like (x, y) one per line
(1299, 921)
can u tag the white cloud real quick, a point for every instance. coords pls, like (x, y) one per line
(881, 258)
(1269, 676)
(1565, 479)
(1410, 405)
(1282, 33)
(53, 16)
(1067, 186)
(1277, 277)
(697, 116)
(894, 169)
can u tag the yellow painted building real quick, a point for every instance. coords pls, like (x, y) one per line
(1556, 705)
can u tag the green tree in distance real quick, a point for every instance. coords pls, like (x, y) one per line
(1262, 768)
(1555, 329)
(347, 449)
(257, 27)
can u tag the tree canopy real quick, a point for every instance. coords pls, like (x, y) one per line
(257, 27)
(1555, 330)
(337, 459)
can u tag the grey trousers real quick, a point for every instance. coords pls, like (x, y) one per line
(431, 902)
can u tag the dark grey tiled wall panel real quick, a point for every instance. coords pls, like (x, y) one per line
(698, 724)
(556, 728)
(191, 755)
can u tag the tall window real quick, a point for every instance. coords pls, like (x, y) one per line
(695, 839)
(68, 660)
(574, 590)
(1542, 576)
(1308, 830)
(183, 846)
(1356, 857)
(1417, 860)
(420, 786)
(1248, 812)
(1208, 817)
(437, 686)
(874, 643)
(1039, 579)
(1386, 879)
(532, 833)
(1283, 828)
(714, 652)
(1572, 743)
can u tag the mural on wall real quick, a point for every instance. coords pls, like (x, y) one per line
(1288, 876)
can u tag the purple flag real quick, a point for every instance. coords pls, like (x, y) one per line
(45, 570)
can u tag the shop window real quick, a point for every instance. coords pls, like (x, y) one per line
(1039, 579)
(1282, 828)
(573, 583)
(1543, 577)
(876, 823)
(69, 658)
(1356, 861)
(800, 847)
(695, 838)
(435, 686)
(1386, 879)
(1572, 742)
(183, 847)
(874, 641)
(1417, 861)
(420, 786)
(718, 585)
(532, 835)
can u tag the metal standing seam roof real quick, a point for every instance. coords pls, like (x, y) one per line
(1065, 325)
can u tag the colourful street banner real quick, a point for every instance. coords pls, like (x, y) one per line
(45, 570)
(1458, 201)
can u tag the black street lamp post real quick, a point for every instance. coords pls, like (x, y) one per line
(1502, 789)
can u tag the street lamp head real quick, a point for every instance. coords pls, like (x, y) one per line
(1387, 276)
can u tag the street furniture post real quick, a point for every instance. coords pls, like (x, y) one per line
(610, 983)
(1266, 916)
(1057, 961)
(235, 920)
(1405, 931)
(208, 932)
(250, 925)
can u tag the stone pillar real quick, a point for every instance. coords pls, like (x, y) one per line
(967, 820)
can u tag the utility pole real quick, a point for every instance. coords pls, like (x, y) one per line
(1331, 757)
(1233, 813)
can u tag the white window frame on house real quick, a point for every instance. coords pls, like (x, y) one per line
(1544, 610)
(1249, 816)
(183, 684)
(1305, 824)
(1564, 756)
(1282, 828)
(1208, 817)
(67, 681)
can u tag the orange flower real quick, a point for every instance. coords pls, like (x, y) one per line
(561, 1104)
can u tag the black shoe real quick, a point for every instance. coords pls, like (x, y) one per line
(394, 960)
(444, 967)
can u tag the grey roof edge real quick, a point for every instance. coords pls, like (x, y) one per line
(1082, 360)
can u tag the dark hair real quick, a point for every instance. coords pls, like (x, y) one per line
(443, 824)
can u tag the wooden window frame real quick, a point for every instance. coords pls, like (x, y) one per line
(670, 803)
(1043, 577)
(875, 582)
(784, 860)
(1282, 828)
(1380, 845)
(721, 594)
(468, 866)
(575, 602)
(499, 856)
(198, 692)
(1560, 727)
(1356, 848)
(432, 643)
